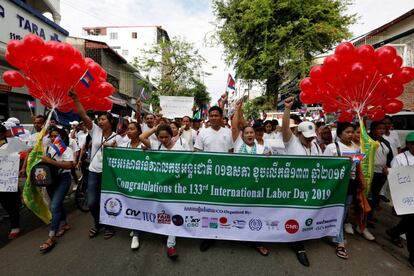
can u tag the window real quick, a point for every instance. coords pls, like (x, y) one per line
(116, 47)
(134, 35)
(113, 36)
(124, 52)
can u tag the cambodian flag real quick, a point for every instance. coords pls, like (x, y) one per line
(86, 79)
(31, 104)
(231, 82)
(59, 146)
(17, 131)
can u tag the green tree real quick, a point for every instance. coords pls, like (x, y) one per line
(174, 68)
(275, 40)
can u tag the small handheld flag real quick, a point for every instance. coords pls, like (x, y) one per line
(231, 82)
(17, 131)
(59, 146)
(31, 104)
(87, 78)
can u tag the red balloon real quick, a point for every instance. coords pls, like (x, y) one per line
(306, 85)
(393, 106)
(365, 53)
(404, 75)
(13, 78)
(395, 90)
(332, 62)
(34, 43)
(345, 50)
(376, 114)
(330, 107)
(357, 72)
(307, 98)
(105, 89)
(345, 116)
(103, 105)
(385, 54)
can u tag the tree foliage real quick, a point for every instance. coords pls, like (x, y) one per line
(174, 68)
(275, 40)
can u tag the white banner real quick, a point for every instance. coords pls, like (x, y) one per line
(220, 222)
(176, 107)
(401, 182)
(9, 172)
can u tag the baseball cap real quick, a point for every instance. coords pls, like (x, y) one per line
(307, 129)
(410, 137)
(75, 123)
(13, 120)
(9, 125)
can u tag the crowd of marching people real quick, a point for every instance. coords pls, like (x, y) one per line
(81, 153)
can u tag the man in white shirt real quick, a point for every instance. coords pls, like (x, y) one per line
(214, 139)
(302, 144)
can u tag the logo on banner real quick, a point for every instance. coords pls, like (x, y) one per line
(113, 206)
(209, 223)
(191, 222)
(177, 220)
(291, 226)
(239, 224)
(151, 217)
(309, 222)
(163, 218)
(224, 223)
(255, 224)
(132, 214)
(272, 224)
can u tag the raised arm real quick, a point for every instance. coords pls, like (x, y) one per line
(235, 121)
(286, 132)
(81, 111)
(144, 137)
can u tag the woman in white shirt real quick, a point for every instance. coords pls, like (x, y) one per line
(344, 147)
(164, 142)
(406, 225)
(177, 135)
(63, 161)
(102, 136)
(133, 132)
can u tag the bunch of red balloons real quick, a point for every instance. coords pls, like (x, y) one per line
(358, 82)
(51, 69)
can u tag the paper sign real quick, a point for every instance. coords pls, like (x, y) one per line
(9, 172)
(176, 107)
(401, 182)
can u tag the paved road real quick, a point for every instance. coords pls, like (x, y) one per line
(76, 254)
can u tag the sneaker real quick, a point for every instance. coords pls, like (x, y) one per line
(348, 228)
(135, 243)
(366, 234)
(172, 253)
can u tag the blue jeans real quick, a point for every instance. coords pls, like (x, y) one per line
(57, 195)
(94, 198)
(340, 237)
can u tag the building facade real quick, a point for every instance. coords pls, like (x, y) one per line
(18, 18)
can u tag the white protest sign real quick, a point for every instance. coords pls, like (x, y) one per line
(9, 172)
(401, 182)
(176, 107)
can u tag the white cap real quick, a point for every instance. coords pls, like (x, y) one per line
(74, 123)
(13, 120)
(307, 129)
(9, 125)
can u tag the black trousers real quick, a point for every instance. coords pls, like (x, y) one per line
(11, 203)
(378, 182)
(406, 226)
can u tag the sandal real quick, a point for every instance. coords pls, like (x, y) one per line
(63, 229)
(341, 252)
(93, 232)
(108, 234)
(262, 250)
(13, 235)
(48, 245)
